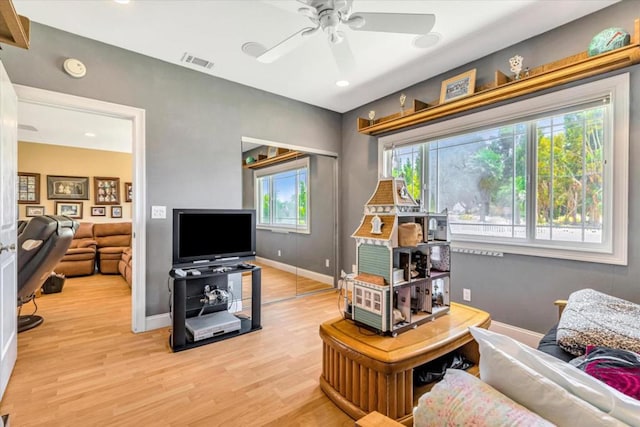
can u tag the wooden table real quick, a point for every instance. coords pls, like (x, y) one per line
(364, 372)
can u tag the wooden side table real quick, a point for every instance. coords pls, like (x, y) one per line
(364, 372)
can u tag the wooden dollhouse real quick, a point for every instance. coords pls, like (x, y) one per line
(403, 262)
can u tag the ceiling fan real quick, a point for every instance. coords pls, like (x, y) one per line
(332, 16)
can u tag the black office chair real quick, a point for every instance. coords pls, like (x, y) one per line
(41, 245)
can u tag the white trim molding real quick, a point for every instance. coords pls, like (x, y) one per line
(318, 277)
(137, 117)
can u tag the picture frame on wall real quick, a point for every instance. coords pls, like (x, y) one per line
(458, 86)
(70, 209)
(98, 211)
(67, 187)
(28, 187)
(106, 190)
(31, 211)
(116, 211)
(128, 192)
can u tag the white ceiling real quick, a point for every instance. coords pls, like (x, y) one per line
(216, 30)
(385, 63)
(58, 126)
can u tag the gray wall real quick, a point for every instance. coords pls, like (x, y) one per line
(194, 125)
(195, 122)
(518, 290)
(307, 251)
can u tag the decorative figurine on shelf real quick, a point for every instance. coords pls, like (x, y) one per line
(516, 66)
(372, 115)
(608, 40)
(403, 98)
(526, 71)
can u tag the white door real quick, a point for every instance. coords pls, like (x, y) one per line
(8, 220)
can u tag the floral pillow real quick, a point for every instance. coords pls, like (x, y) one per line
(461, 399)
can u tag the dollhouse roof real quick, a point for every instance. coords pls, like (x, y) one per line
(365, 229)
(389, 192)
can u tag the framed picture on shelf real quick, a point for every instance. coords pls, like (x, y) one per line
(28, 187)
(98, 211)
(34, 210)
(67, 187)
(128, 192)
(116, 211)
(106, 191)
(458, 86)
(70, 209)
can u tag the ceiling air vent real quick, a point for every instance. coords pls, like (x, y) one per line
(192, 59)
(27, 127)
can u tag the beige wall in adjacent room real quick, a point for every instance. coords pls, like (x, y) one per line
(47, 159)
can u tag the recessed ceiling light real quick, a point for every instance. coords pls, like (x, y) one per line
(342, 83)
(122, 1)
(89, 134)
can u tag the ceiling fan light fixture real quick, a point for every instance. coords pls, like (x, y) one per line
(335, 36)
(342, 83)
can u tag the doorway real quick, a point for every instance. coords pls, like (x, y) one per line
(136, 118)
(294, 192)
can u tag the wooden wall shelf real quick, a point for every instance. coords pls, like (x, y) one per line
(503, 88)
(272, 160)
(14, 28)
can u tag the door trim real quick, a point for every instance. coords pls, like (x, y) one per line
(137, 118)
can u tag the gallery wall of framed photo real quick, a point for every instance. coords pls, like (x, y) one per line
(89, 185)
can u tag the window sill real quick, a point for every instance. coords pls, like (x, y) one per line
(499, 249)
(283, 230)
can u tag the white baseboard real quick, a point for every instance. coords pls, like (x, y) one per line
(525, 336)
(322, 278)
(157, 321)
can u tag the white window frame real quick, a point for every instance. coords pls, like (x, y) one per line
(283, 167)
(616, 169)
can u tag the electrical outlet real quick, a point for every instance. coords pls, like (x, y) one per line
(158, 212)
(466, 294)
(326, 262)
(279, 252)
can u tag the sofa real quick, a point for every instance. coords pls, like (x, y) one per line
(125, 265)
(103, 247)
(520, 385)
(80, 258)
(112, 238)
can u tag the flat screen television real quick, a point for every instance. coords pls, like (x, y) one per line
(213, 236)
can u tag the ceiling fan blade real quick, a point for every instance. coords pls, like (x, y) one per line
(343, 55)
(284, 47)
(407, 23)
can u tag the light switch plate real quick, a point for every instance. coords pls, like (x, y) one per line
(158, 212)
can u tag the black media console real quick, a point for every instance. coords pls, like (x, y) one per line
(186, 302)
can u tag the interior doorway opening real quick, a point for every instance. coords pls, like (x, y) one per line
(135, 118)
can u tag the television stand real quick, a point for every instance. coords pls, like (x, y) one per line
(184, 304)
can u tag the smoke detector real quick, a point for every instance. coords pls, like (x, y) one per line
(74, 67)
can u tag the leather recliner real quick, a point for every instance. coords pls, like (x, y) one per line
(41, 245)
(80, 259)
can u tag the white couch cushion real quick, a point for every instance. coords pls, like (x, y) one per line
(550, 387)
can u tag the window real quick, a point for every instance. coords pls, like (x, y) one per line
(282, 196)
(546, 176)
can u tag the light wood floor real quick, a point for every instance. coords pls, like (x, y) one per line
(84, 367)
